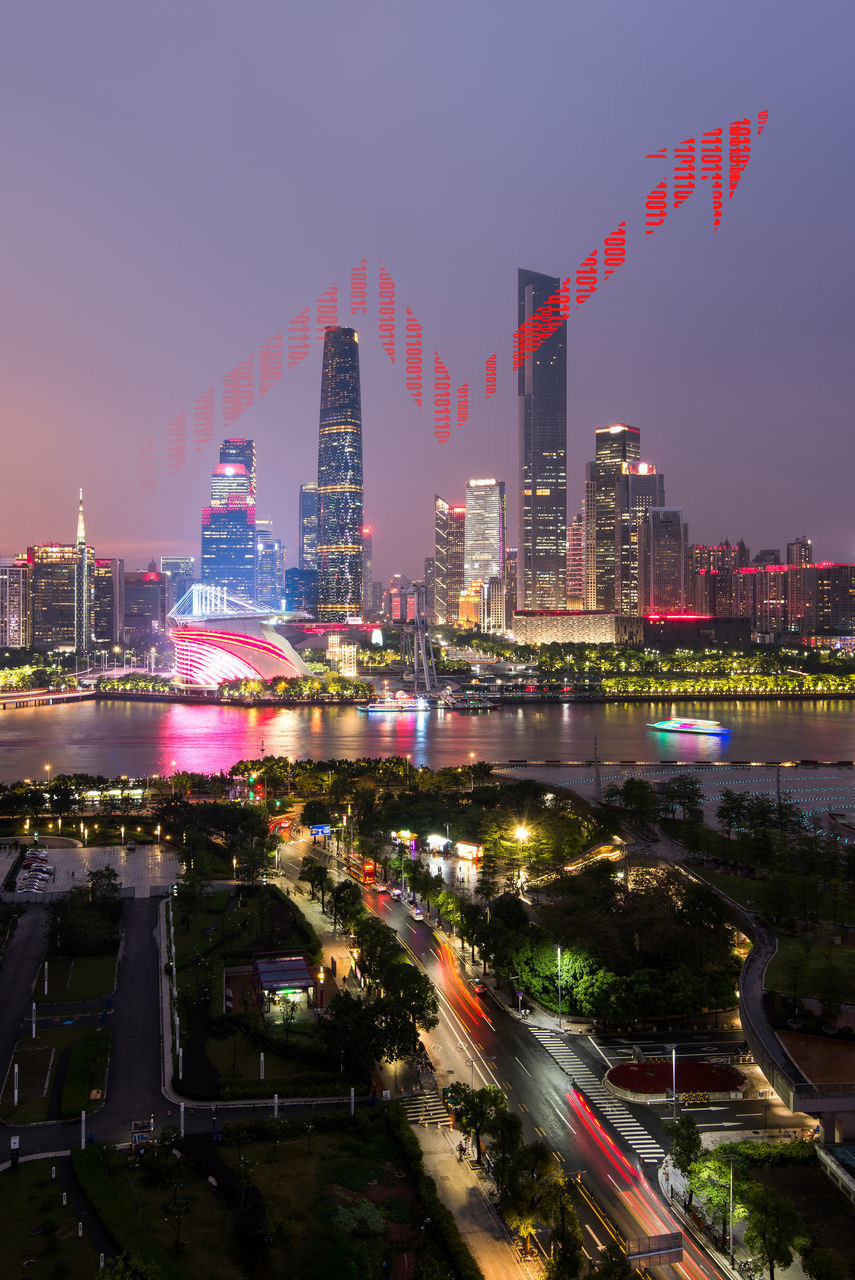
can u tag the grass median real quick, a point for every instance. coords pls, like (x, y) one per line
(76, 979)
(39, 1233)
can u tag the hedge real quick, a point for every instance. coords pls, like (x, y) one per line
(127, 1233)
(305, 1084)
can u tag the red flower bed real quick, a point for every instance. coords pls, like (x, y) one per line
(692, 1077)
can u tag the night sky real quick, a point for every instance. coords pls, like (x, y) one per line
(178, 180)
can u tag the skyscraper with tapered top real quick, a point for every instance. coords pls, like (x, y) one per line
(542, 392)
(340, 490)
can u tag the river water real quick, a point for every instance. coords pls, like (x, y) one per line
(139, 739)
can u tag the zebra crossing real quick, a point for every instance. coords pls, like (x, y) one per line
(610, 1107)
(426, 1108)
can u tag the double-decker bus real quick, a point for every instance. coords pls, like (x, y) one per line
(363, 870)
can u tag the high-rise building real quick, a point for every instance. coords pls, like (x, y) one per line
(15, 614)
(307, 539)
(769, 555)
(182, 571)
(242, 453)
(430, 588)
(542, 392)
(108, 601)
(367, 569)
(663, 557)
(511, 559)
(449, 548)
(301, 590)
(638, 488)
(229, 551)
(800, 551)
(576, 562)
(54, 571)
(270, 565)
(148, 599)
(340, 489)
(485, 531)
(617, 444)
(82, 599)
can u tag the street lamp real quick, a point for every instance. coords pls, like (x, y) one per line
(470, 1062)
(515, 977)
(730, 1160)
(559, 988)
(673, 1049)
(521, 834)
(172, 766)
(471, 770)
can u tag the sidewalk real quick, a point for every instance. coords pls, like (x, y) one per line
(462, 1188)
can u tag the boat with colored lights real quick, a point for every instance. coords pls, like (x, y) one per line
(401, 702)
(677, 725)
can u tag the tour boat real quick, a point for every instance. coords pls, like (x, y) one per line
(400, 702)
(690, 726)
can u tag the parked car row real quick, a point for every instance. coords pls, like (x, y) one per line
(37, 873)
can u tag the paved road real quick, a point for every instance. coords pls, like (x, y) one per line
(17, 974)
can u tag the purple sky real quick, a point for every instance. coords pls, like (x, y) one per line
(180, 179)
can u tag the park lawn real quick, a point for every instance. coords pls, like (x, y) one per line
(37, 1062)
(221, 1054)
(315, 1176)
(134, 1207)
(80, 978)
(200, 921)
(819, 953)
(32, 1202)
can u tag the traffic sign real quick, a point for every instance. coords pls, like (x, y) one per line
(320, 831)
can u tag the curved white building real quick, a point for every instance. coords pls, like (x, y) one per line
(218, 637)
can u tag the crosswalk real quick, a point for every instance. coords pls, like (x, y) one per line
(426, 1108)
(610, 1107)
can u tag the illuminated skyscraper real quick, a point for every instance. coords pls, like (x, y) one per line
(229, 549)
(542, 391)
(638, 488)
(340, 489)
(616, 444)
(15, 617)
(307, 538)
(182, 571)
(800, 551)
(485, 532)
(367, 569)
(663, 561)
(108, 601)
(576, 562)
(270, 565)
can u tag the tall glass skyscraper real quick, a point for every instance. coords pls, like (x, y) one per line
(542, 391)
(340, 479)
(228, 524)
(307, 534)
(617, 444)
(485, 533)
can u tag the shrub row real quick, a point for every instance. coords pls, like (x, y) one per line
(304, 1084)
(767, 1154)
(127, 1233)
(464, 1265)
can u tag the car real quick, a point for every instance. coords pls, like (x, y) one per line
(416, 913)
(479, 987)
(396, 894)
(382, 888)
(132, 844)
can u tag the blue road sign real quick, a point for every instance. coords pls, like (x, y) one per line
(320, 831)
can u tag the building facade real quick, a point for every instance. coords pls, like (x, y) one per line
(663, 561)
(616, 445)
(340, 482)
(182, 571)
(542, 407)
(638, 488)
(307, 534)
(15, 609)
(108, 602)
(229, 543)
(485, 531)
(565, 626)
(576, 562)
(269, 566)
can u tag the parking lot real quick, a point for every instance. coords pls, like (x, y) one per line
(140, 869)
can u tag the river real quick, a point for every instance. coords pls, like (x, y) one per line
(144, 738)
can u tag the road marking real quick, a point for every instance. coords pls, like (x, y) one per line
(558, 1156)
(612, 1181)
(538, 1129)
(508, 1084)
(524, 1067)
(522, 1106)
(588, 1227)
(599, 1051)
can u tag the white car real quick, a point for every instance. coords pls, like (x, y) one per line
(396, 894)
(416, 913)
(382, 888)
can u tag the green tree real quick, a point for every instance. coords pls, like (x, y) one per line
(345, 903)
(507, 1132)
(772, 1228)
(565, 1240)
(825, 1264)
(686, 1145)
(614, 1264)
(409, 1005)
(478, 1109)
(710, 1180)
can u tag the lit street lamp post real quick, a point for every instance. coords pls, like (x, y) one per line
(673, 1049)
(559, 988)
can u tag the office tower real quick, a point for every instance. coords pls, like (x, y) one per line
(800, 551)
(367, 569)
(430, 588)
(307, 539)
(301, 590)
(511, 558)
(616, 445)
(638, 488)
(242, 453)
(576, 562)
(663, 555)
(542, 392)
(589, 516)
(108, 602)
(340, 479)
(269, 565)
(710, 582)
(82, 598)
(440, 558)
(229, 549)
(485, 531)
(449, 546)
(15, 613)
(54, 572)
(182, 571)
(493, 618)
(148, 599)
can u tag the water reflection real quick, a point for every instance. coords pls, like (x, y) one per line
(145, 738)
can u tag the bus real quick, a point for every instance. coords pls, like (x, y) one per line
(362, 870)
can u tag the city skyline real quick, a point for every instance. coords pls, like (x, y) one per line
(146, 281)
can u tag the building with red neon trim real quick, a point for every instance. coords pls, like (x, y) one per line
(218, 638)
